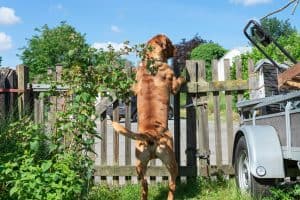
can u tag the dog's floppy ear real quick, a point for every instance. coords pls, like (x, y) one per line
(169, 47)
(165, 43)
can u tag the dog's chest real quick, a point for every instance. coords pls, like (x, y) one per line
(151, 83)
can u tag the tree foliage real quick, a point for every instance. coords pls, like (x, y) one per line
(291, 43)
(184, 49)
(64, 45)
(50, 46)
(285, 34)
(0, 61)
(278, 28)
(208, 52)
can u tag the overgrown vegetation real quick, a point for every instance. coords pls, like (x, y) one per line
(42, 162)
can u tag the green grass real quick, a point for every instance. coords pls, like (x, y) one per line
(201, 188)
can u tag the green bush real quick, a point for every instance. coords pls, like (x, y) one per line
(208, 52)
(32, 170)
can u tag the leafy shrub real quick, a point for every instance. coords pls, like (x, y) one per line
(33, 171)
(286, 192)
(208, 52)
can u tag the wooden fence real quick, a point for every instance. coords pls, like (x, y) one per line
(203, 148)
(15, 97)
(210, 138)
(199, 148)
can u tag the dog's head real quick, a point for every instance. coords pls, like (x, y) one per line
(160, 48)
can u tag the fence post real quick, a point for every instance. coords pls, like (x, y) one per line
(3, 107)
(177, 121)
(12, 82)
(103, 125)
(239, 76)
(52, 101)
(252, 77)
(217, 118)
(60, 101)
(116, 140)
(23, 97)
(229, 118)
(191, 129)
(128, 126)
(36, 108)
(203, 132)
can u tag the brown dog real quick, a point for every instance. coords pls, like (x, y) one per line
(154, 139)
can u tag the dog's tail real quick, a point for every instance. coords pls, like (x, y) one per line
(136, 136)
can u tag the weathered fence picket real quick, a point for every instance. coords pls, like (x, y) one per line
(229, 113)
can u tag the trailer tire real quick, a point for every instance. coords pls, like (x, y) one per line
(257, 187)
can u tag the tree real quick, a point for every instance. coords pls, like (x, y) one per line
(184, 49)
(61, 44)
(285, 34)
(208, 52)
(278, 28)
(290, 43)
(0, 60)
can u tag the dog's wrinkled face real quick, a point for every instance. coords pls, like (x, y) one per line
(160, 48)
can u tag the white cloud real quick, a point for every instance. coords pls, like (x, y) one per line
(7, 16)
(115, 29)
(5, 42)
(104, 45)
(59, 6)
(250, 2)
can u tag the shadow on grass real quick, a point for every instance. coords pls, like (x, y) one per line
(188, 190)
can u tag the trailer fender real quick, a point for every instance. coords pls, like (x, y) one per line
(264, 150)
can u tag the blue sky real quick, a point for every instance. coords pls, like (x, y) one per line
(116, 21)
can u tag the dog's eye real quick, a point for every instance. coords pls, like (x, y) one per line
(162, 44)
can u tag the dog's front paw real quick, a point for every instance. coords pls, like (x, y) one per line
(181, 80)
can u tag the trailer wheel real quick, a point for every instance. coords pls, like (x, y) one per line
(243, 177)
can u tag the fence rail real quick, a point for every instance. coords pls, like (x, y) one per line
(203, 148)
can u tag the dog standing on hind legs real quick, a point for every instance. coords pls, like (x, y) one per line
(153, 88)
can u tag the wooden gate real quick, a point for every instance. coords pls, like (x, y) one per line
(210, 134)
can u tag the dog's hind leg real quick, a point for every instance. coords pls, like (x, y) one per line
(142, 159)
(141, 169)
(167, 156)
